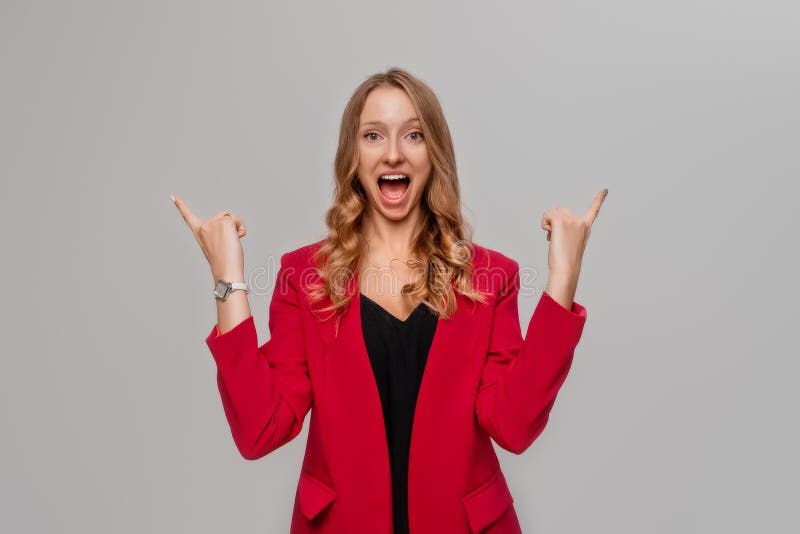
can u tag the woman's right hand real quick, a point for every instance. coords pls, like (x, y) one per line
(220, 239)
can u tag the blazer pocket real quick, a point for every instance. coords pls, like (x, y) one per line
(314, 495)
(487, 503)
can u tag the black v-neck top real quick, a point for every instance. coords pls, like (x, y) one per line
(398, 351)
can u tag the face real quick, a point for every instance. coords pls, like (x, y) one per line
(391, 142)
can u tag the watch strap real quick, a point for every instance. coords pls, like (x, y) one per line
(223, 288)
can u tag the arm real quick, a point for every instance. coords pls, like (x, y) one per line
(521, 377)
(265, 391)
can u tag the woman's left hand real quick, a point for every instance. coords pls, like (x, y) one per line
(568, 234)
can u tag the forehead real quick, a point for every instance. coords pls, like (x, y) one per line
(389, 105)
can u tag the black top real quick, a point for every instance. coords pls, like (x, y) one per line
(398, 351)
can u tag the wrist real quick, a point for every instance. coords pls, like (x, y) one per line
(562, 291)
(229, 276)
(224, 288)
(563, 278)
(562, 282)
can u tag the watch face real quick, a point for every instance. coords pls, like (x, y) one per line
(221, 289)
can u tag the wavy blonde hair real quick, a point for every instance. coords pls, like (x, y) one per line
(443, 245)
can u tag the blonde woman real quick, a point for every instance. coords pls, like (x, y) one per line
(398, 333)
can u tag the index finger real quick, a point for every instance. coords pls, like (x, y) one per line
(191, 219)
(594, 208)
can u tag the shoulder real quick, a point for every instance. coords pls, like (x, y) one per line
(491, 269)
(487, 258)
(296, 267)
(302, 256)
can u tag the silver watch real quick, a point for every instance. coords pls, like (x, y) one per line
(224, 288)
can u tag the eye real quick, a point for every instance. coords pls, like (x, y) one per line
(368, 134)
(419, 135)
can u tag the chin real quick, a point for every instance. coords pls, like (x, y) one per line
(394, 213)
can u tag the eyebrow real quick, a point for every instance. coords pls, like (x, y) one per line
(379, 123)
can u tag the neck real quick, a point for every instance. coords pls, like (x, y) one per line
(391, 239)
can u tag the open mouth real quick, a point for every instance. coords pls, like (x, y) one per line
(394, 186)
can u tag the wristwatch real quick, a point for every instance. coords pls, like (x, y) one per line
(224, 288)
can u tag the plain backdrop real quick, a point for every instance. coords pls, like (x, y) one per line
(680, 412)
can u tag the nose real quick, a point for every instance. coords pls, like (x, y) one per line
(393, 153)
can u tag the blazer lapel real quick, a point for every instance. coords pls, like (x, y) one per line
(353, 407)
(440, 396)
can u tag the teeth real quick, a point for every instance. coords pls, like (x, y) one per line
(394, 176)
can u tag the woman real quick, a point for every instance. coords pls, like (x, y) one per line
(395, 292)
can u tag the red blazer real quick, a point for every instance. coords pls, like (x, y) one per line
(481, 380)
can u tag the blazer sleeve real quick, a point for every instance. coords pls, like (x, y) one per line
(521, 377)
(265, 391)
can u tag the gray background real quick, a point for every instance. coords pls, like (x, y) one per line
(680, 413)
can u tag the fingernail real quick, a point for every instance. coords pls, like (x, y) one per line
(172, 197)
